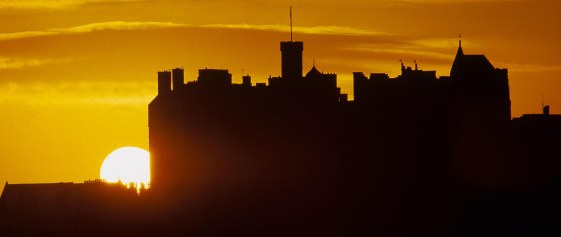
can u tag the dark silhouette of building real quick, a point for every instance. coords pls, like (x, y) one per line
(292, 60)
(92, 208)
(411, 155)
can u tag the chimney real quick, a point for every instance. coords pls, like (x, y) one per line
(546, 110)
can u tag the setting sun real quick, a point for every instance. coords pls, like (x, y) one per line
(128, 165)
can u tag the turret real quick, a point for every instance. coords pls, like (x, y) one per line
(178, 78)
(164, 82)
(292, 59)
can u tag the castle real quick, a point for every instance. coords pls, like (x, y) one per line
(297, 112)
(411, 155)
(294, 147)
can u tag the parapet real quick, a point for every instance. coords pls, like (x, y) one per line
(214, 77)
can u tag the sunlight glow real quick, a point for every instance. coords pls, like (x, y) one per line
(127, 165)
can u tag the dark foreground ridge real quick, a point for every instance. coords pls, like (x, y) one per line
(414, 155)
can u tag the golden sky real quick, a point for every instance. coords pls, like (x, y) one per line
(76, 76)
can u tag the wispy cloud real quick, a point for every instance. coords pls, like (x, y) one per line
(124, 25)
(112, 25)
(403, 51)
(452, 1)
(64, 4)
(78, 93)
(440, 49)
(442, 43)
(119, 25)
(50, 4)
(325, 30)
(21, 63)
(531, 68)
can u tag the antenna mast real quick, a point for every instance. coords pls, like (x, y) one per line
(290, 23)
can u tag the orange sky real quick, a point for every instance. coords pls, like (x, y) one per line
(76, 76)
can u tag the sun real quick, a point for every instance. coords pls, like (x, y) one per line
(128, 165)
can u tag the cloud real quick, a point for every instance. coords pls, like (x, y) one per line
(531, 68)
(316, 30)
(438, 49)
(119, 25)
(453, 1)
(404, 51)
(124, 25)
(112, 25)
(78, 93)
(20, 63)
(50, 4)
(65, 4)
(443, 43)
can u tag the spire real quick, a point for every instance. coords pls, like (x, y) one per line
(460, 50)
(459, 58)
(314, 73)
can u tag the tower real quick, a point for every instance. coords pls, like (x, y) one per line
(291, 56)
(482, 89)
(164, 82)
(178, 78)
(292, 59)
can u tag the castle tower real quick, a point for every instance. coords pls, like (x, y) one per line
(292, 59)
(164, 82)
(482, 88)
(178, 78)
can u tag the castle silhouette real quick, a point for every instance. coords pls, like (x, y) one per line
(411, 155)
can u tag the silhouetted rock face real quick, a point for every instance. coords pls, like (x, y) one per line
(412, 155)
